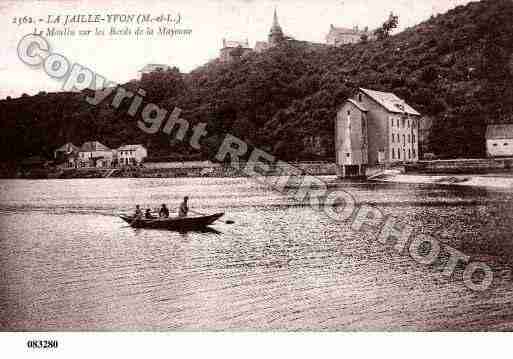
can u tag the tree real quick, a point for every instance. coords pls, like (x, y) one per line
(429, 74)
(384, 31)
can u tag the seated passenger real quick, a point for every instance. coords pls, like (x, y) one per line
(138, 212)
(148, 214)
(164, 212)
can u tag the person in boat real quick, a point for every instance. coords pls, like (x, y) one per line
(148, 214)
(184, 208)
(164, 212)
(138, 212)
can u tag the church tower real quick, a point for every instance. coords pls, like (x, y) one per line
(276, 34)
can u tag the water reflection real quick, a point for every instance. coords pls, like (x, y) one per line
(69, 263)
(183, 232)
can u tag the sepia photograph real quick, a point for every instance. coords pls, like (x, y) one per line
(267, 167)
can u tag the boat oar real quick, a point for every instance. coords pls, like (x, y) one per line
(220, 220)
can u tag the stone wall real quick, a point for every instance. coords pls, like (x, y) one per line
(480, 165)
(179, 169)
(218, 170)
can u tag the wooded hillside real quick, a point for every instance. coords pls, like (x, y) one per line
(456, 68)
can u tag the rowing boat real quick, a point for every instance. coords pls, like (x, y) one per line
(175, 223)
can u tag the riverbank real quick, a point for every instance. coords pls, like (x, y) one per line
(470, 166)
(494, 180)
(172, 170)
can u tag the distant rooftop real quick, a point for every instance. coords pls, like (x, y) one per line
(347, 31)
(155, 67)
(68, 147)
(499, 132)
(235, 43)
(93, 146)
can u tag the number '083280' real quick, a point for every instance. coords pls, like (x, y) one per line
(42, 344)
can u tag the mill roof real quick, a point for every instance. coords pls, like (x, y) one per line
(390, 102)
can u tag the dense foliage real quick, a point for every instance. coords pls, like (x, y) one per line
(456, 68)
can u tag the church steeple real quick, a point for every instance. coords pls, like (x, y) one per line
(276, 33)
(276, 25)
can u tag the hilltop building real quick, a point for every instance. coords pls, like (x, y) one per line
(232, 50)
(276, 33)
(261, 46)
(375, 128)
(149, 68)
(236, 49)
(274, 37)
(339, 35)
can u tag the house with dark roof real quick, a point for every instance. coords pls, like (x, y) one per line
(375, 128)
(499, 140)
(95, 154)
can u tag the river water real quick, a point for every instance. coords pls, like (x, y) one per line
(68, 263)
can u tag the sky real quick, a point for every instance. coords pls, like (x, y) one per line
(119, 58)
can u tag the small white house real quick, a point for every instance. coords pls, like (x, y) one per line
(95, 154)
(499, 140)
(131, 155)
